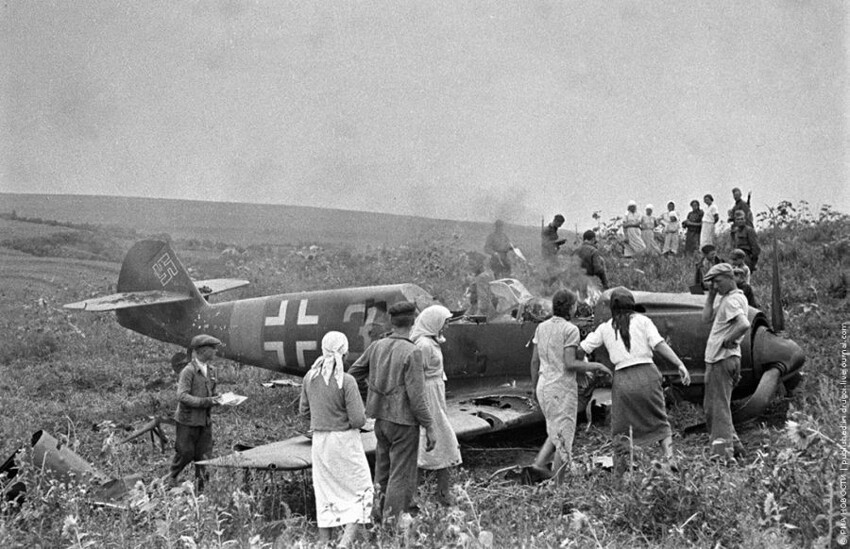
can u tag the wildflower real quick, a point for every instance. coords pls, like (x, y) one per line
(578, 520)
(485, 539)
(69, 526)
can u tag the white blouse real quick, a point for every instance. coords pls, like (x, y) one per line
(644, 338)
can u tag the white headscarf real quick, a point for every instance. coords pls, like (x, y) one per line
(430, 322)
(334, 346)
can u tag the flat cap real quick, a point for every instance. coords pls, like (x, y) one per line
(721, 269)
(203, 340)
(402, 308)
(737, 253)
(708, 248)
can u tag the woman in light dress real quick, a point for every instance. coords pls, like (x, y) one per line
(554, 364)
(634, 244)
(670, 221)
(648, 223)
(427, 335)
(709, 222)
(341, 478)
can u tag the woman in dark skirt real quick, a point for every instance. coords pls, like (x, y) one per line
(637, 408)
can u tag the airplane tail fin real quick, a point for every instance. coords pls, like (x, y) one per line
(151, 265)
(156, 296)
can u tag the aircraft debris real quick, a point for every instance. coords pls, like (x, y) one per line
(154, 427)
(63, 464)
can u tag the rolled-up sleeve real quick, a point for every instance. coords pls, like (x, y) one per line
(592, 342)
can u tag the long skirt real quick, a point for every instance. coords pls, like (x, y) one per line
(706, 236)
(634, 244)
(446, 452)
(691, 242)
(341, 479)
(637, 403)
(559, 404)
(648, 236)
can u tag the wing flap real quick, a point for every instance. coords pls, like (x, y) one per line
(126, 300)
(217, 285)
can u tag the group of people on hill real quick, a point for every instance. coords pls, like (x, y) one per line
(641, 230)
(642, 237)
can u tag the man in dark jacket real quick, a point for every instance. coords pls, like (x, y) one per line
(550, 243)
(393, 369)
(195, 397)
(709, 260)
(591, 260)
(740, 205)
(744, 238)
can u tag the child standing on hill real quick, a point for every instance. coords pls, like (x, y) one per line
(341, 478)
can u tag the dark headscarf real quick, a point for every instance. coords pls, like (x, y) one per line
(622, 307)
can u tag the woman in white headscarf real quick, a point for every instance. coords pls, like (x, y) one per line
(634, 244)
(648, 223)
(427, 335)
(341, 478)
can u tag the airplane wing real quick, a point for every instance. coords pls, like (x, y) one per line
(218, 285)
(470, 415)
(126, 300)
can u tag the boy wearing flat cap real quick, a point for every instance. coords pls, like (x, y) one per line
(195, 397)
(730, 323)
(395, 374)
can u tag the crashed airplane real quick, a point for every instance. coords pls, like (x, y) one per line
(487, 363)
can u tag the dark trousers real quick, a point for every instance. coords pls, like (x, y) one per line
(194, 443)
(720, 378)
(395, 466)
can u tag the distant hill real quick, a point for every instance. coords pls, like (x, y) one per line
(245, 224)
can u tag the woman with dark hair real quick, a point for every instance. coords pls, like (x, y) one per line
(553, 375)
(709, 221)
(693, 226)
(637, 408)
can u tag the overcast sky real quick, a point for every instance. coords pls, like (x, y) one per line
(461, 110)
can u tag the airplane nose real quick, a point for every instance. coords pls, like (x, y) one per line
(777, 358)
(772, 351)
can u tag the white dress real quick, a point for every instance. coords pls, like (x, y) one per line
(708, 224)
(446, 452)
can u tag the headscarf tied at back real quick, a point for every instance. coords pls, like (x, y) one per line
(430, 322)
(334, 347)
(622, 307)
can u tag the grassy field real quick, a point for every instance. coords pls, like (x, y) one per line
(88, 382)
